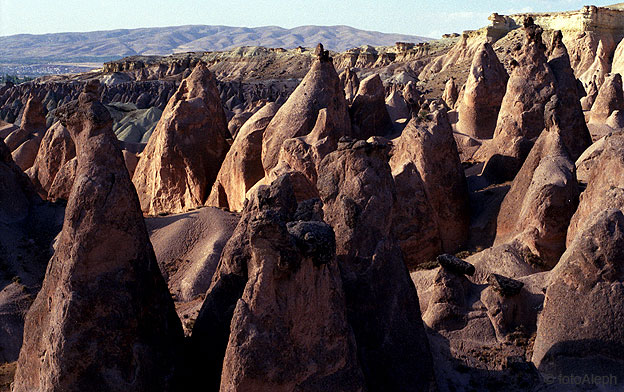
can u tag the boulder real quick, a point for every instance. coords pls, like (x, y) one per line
(579, 330)
(242, 166)
(89, 329)
(357, 190)
(369, 116)
(182, 158)
(481, 97)
(610, 98)
(319, 89)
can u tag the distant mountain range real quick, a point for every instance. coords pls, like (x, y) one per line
(99, 46)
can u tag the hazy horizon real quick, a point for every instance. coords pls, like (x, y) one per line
(427, 19)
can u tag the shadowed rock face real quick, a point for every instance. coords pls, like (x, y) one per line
(266, 267)
(182, 158)
(369, 116)
(242, 166)
(319, 89)
(34, 119)
(610, 98)
(581, 324)
(480, 99)
(429, 144)
(103, 320)
(357, 191)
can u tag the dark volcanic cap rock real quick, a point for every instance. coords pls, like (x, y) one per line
(103, 319)
(455, 264)
(504, 285)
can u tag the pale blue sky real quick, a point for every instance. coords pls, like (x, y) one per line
(426, 18)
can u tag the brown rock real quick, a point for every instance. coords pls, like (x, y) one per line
(212, 328)
(369, 116)
(430, 145)
(25, 155)
(600, 58)
(567, 111)
(34, 119)
(57, 148)
(521, 117)
(16, 138)
(455, 264)
(505, 286)
(609, 99)
(356, 187)
(63, 181)
(537, 209)
(235, 124)
(242, 166)
(396, 106)
(350, 83)
(579, 329)
(6, 129)
(591, 93)
(451, 93)
(413, 97)
(183, 156)
(298, 339)
(319, 89)
(605, 188)
(482, 95)
(88, 329)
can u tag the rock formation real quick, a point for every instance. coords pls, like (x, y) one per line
(521, 117)
(318, 90)
(610, 98)
(63, 181)
(182, 157)
(537, 209)
(34, 118)
(57, 148)
(580, 325)
(429, 144)
(369, 116)
(591, 93)
(605, 188)
(396, 106)
(271, 253)
(88, 329)
(242, 166)
(357, 190)
(350, 83)
(451, 93)
(618, 59)
(413, 97)
(481, 97)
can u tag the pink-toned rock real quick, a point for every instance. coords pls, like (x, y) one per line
(521, 117)
(579, 328)
(610, 98)
(357, 190)
(369, 116)
(182, 158)
(63, 181)
(25, 155)
(413, 97)
(235, 124)
(6, 129)
(16, 138)
(430, 145)
(350, 83)
(537, 209)
(57, 148)
(34, 119)
(89, 329)
(591, 92)
(605, 188)
(319, 89)
(298, 339)
(481, 97)
(450, 93)
(131, 160)
(242, 166)
(396, 106)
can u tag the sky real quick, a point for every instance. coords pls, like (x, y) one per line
(430, 18)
